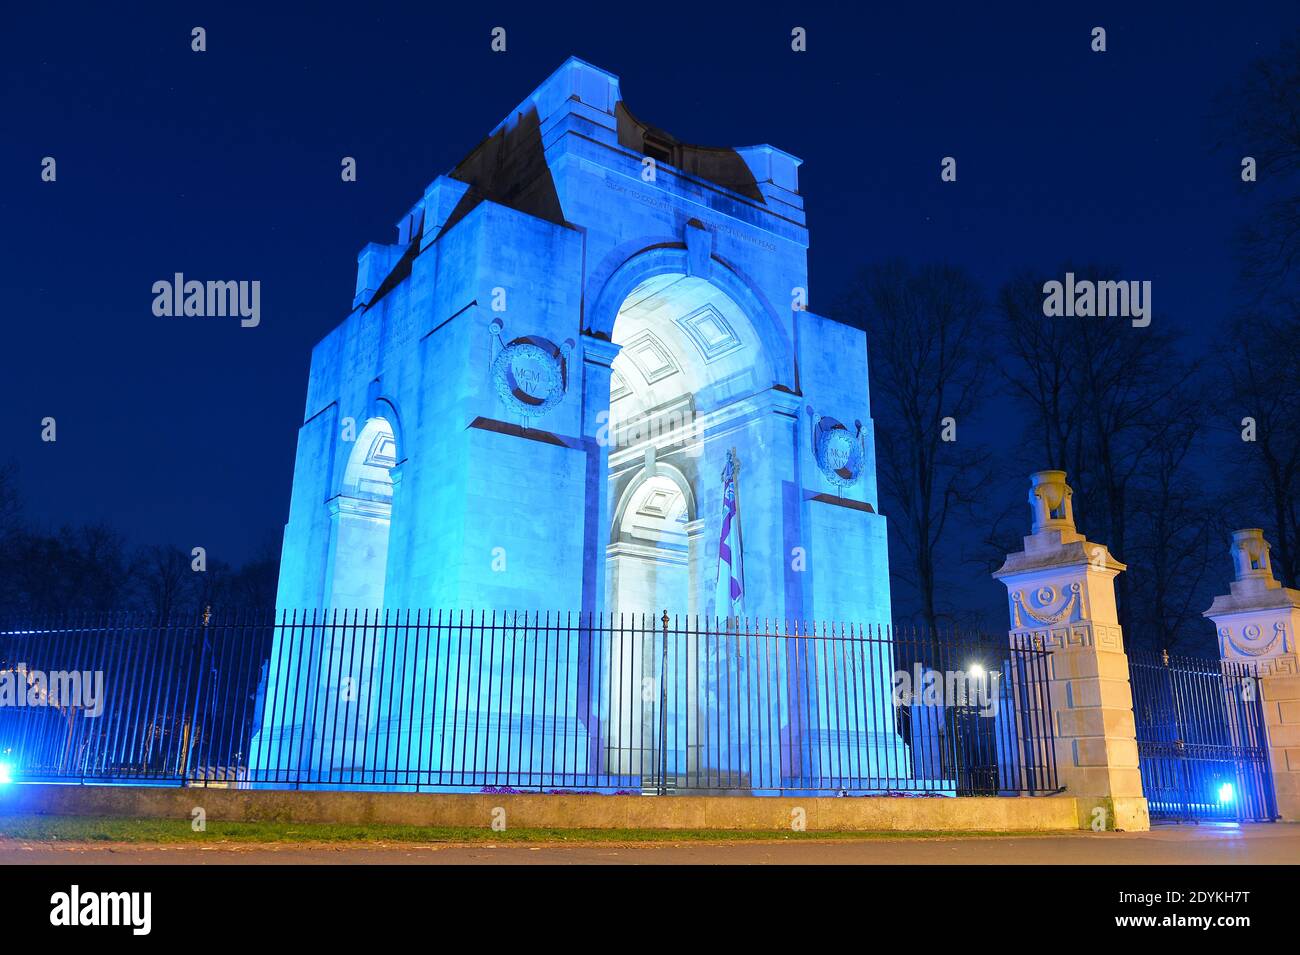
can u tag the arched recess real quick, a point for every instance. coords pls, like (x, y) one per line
(652, 540)
(382, 406)
(666, 479)
(361, 515)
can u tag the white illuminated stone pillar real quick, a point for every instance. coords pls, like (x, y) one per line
(1256, 623)
(1061, 590)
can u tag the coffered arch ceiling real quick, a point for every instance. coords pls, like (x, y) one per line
(682, 335)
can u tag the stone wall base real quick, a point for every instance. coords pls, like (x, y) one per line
(1120, 813)
(976, 813)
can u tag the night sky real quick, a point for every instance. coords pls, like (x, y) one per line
(225, 165)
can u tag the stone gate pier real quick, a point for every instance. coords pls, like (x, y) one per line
(1061, 593)
(1256, 623)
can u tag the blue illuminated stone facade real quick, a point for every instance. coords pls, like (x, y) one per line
(531, 402)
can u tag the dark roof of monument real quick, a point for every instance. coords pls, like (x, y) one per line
(510, 169)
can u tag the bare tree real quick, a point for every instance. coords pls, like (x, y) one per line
(1263, 367)
(166, 580)
(1100, 398)
(923, 335)
(104, 574)
(10, 505)
(1175, 548)
(10, 529)
(1039, 374)
(1260, 118)
(86, 568)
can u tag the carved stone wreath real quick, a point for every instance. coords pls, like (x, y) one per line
(529, 375)
(838, 451)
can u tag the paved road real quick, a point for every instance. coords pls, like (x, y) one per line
(1275, 844)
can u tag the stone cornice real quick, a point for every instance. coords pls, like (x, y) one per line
(1076, 553)
(360, 507)
(1281, 598)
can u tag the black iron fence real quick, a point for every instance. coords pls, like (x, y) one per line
(1200, 738)
(533, 702)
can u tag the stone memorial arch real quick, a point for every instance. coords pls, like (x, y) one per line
(531, 402)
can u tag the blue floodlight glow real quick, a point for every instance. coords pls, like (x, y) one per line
(1226, 793)
(716, 332)
(5, 776)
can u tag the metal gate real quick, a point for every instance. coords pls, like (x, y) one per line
(1200, 738)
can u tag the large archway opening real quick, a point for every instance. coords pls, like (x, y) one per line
(688, 351)
(689, 355)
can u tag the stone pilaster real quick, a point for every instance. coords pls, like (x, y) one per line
(598, 434)
(1061, 593)
(1256, 623)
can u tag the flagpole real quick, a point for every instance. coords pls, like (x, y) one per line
(740, 541)
(740, 534)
